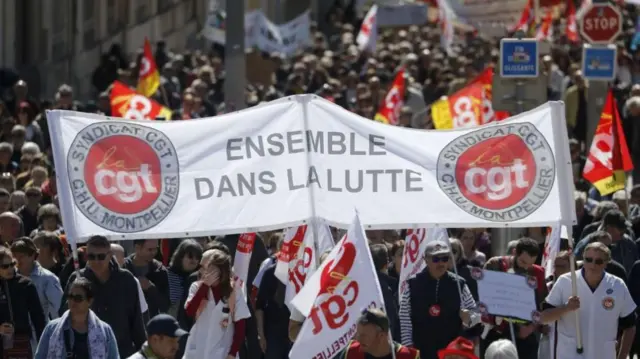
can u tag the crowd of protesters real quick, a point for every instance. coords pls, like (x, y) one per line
(140, 299)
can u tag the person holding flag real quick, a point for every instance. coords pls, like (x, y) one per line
(603, 303)
(437, 304)
(373, 342)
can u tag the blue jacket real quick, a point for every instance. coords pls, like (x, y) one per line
(43, 346)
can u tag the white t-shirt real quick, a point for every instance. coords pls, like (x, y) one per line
(143, 302)
(208, 338)
(599, 313)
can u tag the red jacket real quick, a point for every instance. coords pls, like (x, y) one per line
(353, 352)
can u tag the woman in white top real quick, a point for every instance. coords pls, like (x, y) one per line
(219, 309)
(603, 303)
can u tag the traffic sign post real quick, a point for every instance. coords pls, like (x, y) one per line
(601, 24)
(599, 62)
(519, 58)
(518, 85)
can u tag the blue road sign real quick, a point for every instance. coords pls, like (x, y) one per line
(599, 62)
(519, 58)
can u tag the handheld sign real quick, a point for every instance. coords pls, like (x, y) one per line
(506, 294)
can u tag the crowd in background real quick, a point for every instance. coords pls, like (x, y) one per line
(192, 84)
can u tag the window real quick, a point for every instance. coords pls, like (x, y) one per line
(189, 10)
(142, 11)
(167, 22)
(88, 10)
(58, 49)
(117, 15)
(59, 17)
(164, 6)
(89, 38)
(43, 48)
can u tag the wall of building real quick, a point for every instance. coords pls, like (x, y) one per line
(51, 42)
(41, 39)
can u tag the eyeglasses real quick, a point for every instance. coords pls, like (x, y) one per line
(78, 298)
(96, 257)
(597, 261)
(8, 265)
(440, 259)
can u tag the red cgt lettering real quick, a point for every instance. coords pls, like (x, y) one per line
(334, 308)
(298, 274)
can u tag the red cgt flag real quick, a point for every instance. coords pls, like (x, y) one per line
(389, 111)
(127, 103)
(468, 107)
(608, 158)
(149, 77)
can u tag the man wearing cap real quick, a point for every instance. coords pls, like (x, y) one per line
(373, 341)
(163, 334)
(437, 305)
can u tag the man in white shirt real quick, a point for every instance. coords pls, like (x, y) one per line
(603, 304)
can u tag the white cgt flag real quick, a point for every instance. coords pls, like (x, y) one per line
(241, 261)
(552, 247)
(412, 256)
(368, 36)
(334, 297)
(293, 238)
(302, 267)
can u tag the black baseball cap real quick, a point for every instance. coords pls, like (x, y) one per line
(164, 324)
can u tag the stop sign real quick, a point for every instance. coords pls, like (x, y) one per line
(601, 24)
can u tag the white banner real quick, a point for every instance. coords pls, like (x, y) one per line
(304, 157)
(415, 244)
(260, 32)
(333, 298)
(490, 17)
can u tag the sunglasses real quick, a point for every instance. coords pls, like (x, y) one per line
(78, 298)
(440, 259)
(597, 261)
(96, 257)
(8, 265)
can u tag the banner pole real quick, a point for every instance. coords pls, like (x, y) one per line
(311, 189)
(564, 173)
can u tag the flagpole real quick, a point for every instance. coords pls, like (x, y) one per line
(311, 189)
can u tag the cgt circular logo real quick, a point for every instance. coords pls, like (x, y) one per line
(124, 176)
(500, 173)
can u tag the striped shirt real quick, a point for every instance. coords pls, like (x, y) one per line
(406, 329)
(176, 286)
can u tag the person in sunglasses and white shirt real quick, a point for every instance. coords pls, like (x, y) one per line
(603, 303)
